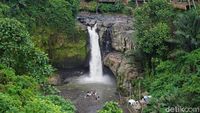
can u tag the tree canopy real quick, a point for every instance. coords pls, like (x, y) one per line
(169, 40)
(18, 51)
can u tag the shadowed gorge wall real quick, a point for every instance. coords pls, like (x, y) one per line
(65, 51)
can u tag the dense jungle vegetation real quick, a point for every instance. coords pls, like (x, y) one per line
(24, 67)
(168, 42)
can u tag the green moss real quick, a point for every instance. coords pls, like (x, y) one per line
(40, 37)
(88, 6)
(117, 7)
(69, 49)
(70, 52)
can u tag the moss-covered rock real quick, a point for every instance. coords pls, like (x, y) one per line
(64, 50)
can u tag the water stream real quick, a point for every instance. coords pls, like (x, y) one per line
(95, 66)
(96, 71)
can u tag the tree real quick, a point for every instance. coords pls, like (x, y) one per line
(18, 51)
(136, 2)
(176, 82)
(59, 15)
(66, 105)
(4, 9)
(153, 29)
(188, 30)
(22, 94)
(110, 107)
(153, 43)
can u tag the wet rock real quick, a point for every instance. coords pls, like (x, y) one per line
(55, 80)
(120, 66)
(113, 61)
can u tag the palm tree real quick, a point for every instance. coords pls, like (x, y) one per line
(188, 30)
(189, 3)
(193, 2)
(136, 2)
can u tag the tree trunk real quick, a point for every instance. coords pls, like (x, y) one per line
(189, 4)
(193, 2)
(149, 65)
(136, 2)
(125, 1)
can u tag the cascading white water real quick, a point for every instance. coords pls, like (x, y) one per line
(95, 61)
(96, 72)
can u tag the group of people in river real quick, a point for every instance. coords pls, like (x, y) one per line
(137, 104)
(92, 94)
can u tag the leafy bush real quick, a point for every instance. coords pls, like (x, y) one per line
(9, 104)
(4, 10)
(25, 58)
(59, 14)
(153, 40)
(127, 10)
(111, 107)
(176, 82)
(65, 104)
(153, 30)
(38, 105)
(117, 7)
(89, 6)
(174, 59)
(21, 94)
(188, 30)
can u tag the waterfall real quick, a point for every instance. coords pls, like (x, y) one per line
(96, 72)
(95, 60)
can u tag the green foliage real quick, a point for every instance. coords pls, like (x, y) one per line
(153, 39)
(57, 14)
(127, 10)
(21, 94)
(4, 10)
(159, 10)
(9, 104)
(188, 30)
(111, 107)
(152, 18)
(25, 58)
(45, 21)
(117, 7)
(173, 58)
(60, 15)
(88, 6)
(153, 30)
(38, 105)
(65, 104)
(176, 82)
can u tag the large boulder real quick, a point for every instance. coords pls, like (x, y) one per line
(122, 68)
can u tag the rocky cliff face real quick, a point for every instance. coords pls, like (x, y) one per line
(121, 34)
(122, 28)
